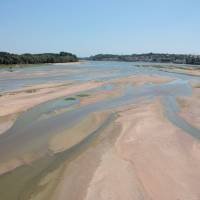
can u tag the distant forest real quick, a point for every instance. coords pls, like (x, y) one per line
(62, 57)
(150, 57)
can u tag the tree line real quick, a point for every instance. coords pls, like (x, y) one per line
(150, 57)
(62, 57)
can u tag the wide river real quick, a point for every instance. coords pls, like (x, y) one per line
(33, 129)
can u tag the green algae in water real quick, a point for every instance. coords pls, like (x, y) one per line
(82, 95)
(70, 99)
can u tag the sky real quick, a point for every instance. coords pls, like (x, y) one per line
(89, 27)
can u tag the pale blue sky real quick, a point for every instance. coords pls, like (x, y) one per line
(88, 27)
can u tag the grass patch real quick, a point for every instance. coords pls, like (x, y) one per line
(70, 99)
(82, 95)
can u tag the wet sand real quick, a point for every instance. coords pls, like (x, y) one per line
(15, 102)
(142, 79)
(189, 106)
(76, 134)
(75, 175)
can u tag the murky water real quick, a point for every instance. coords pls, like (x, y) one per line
(34, 128)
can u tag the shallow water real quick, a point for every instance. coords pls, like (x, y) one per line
(31, 132)
(171, 112)
(34, 128)
(92, 70)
